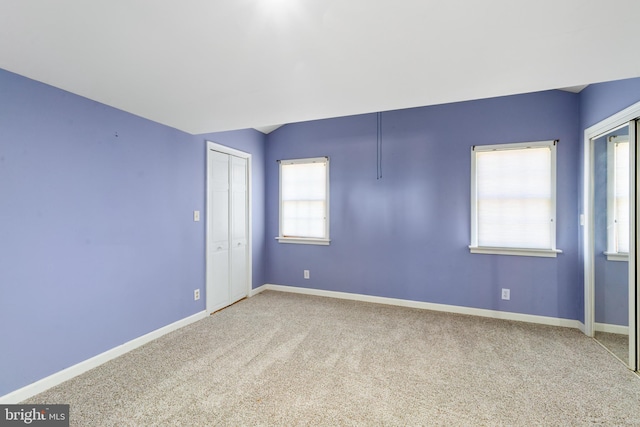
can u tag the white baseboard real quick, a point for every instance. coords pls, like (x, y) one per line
(495, 314)
(59, 377)
(612, 329)
(257, 290)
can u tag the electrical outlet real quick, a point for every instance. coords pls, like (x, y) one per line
(306, 274)
(506, 294)
(196, 295)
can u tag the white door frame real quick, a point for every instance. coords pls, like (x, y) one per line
(212, 146)
(591, 133)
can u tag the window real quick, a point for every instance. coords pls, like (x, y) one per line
(513, 199)
(304, 201)
(618, 198)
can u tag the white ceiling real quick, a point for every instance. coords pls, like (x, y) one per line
(212, 65)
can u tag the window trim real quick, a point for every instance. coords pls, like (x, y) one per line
(303, 240)
(535, 252)
(612, 253)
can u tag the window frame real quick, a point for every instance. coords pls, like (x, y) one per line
(474, 248)
(612, 252)
(304, 240)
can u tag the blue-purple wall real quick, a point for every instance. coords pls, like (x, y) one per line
(97, 240)
(601, 100)
(407, 235)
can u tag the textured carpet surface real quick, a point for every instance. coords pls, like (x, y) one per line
(286, 359)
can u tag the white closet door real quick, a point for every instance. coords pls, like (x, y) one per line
(239, 229)
(218, 295)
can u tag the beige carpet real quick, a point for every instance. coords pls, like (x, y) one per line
(285, 359)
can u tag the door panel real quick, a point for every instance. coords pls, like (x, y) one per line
(239, 198)
(612, 322)
(220, 218)
(238, 272)
(219, 265)
(239, 215)
(219, 195)
(218, 223)
(611, 279)
(239, 226)
(228, 259)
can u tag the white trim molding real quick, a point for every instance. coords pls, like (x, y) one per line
(66, 374)
(616, 256)
(612, 329)
(480, 312)
(546, 253)
(257, 290)
(304, 240)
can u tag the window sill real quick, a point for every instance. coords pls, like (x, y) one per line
(617, 256)
(303, 241)
(546, 253)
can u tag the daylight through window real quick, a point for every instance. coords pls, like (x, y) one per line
(514, 199)
(618, 198)
(304, 201)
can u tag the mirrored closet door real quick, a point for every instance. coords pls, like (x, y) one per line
(612, 171)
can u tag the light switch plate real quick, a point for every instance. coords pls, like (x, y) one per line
(196, 216)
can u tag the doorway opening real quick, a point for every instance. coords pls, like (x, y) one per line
(228, 239)
(610, 238)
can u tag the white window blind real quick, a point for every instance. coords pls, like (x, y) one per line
(513, 197)
(618, 196)
(304, 191)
